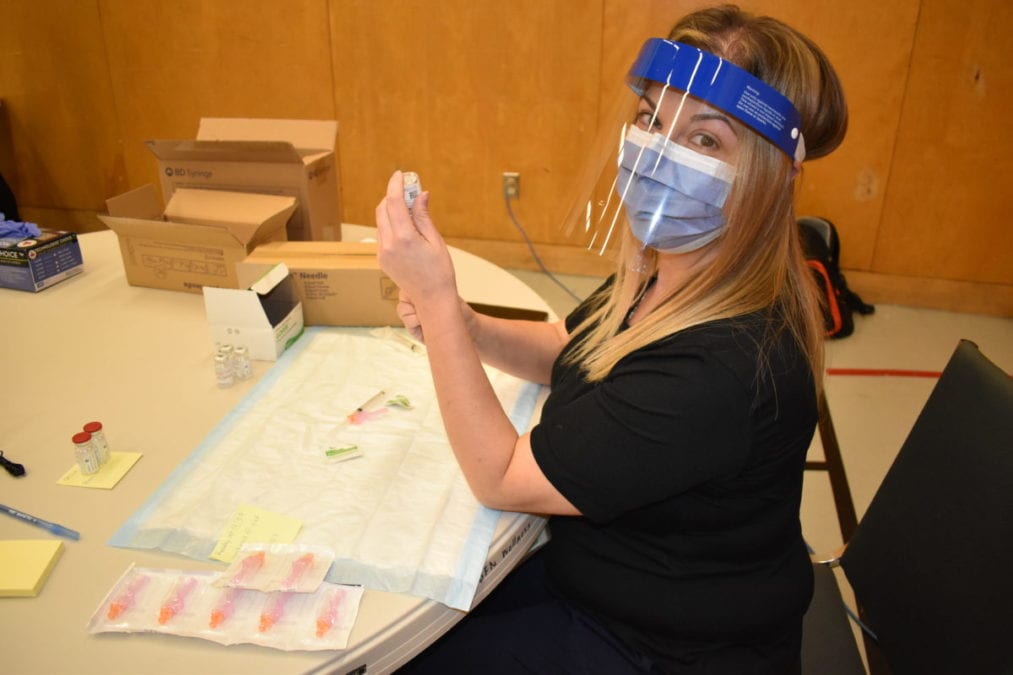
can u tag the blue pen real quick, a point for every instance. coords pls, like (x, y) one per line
(58, 530)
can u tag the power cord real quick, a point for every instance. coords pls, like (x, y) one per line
(13, 468)
(854, 617)
(835, 562)
(531, 248)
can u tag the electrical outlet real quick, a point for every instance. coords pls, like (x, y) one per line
(512, 184)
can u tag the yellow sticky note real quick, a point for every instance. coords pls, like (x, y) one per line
(25, 565)
(106, 477)
(253, 525)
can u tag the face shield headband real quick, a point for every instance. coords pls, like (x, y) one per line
(723, 85)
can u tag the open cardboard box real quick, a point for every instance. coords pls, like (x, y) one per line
(339, 283)
(199, 238)
(265, 315)
(296, 158)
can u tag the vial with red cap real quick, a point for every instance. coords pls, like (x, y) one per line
(84, 452)
(98, 439)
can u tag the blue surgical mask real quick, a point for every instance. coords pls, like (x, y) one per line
(673, 195)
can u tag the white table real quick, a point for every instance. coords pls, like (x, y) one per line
(139, 360)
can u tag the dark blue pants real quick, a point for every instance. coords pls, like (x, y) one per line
(523, 627)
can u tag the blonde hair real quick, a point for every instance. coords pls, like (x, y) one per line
(757, 262)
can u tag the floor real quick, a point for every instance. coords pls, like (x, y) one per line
(872, 414)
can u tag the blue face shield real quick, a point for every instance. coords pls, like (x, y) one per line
(647, 173)
(673, 195)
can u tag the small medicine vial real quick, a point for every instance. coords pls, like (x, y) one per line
(223, 371)
(412, 187)
(241, 367)
(84, 452)
(98, 439)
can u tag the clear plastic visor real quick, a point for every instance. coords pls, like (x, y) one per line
(663, 164)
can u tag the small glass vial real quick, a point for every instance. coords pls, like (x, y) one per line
(98, 439)
(223, 371)
(412, 187)
(241, 366)
(84, 452)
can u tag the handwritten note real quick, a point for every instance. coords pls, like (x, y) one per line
(107, 477)
(253, 525)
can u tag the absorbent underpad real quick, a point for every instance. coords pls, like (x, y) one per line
(399, 517)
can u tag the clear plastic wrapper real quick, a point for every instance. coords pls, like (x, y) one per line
(188, 604)
(278, 567)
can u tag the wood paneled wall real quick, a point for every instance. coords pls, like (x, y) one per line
(463, 90)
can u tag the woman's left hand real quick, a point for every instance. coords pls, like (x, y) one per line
(411, 251)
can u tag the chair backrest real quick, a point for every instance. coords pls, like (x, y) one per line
(929, 562)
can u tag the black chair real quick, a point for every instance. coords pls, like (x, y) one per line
(833, 464)
(927, 562)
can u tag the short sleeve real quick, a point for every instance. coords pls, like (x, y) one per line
(666, 419)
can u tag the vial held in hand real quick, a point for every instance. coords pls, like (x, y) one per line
(412, 187)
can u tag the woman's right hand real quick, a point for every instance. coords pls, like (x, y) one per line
(409, 317)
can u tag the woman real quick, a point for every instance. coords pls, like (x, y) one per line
(670, 451)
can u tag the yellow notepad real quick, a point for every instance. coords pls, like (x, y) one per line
(25, 565)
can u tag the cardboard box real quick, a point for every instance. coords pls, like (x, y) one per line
(34, 263)
(265, 316)
(339, 283)
(296, 158)
(198, 240)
